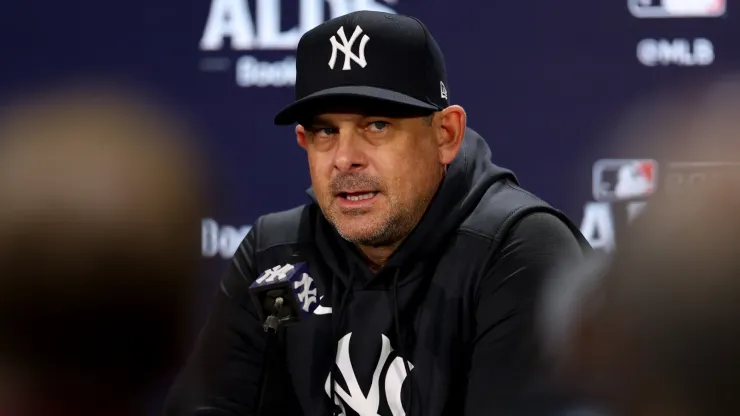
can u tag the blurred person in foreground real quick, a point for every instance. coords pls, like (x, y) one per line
(425, 257)
(654, 329)
(665, 338)
(99, 214)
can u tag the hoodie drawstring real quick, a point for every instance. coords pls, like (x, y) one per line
(400, 340)
(336, 327)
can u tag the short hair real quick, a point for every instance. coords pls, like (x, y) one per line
(428, 120)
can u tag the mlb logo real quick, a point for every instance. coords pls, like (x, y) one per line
(655, 9)
(624, 179)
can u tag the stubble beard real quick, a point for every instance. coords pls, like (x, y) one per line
(382, 229)
(385, 229)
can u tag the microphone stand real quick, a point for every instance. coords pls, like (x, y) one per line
(273, 321)
(271, 353)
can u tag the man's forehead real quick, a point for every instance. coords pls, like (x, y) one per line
(333, 118)
(355, 111)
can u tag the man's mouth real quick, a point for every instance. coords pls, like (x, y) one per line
(357, 196)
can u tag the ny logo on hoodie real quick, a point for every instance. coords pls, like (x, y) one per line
(354, 398)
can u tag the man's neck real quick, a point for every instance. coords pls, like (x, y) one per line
(377, 257)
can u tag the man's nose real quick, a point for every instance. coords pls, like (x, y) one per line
(349, 155)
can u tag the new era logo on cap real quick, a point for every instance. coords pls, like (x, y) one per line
(388, 57)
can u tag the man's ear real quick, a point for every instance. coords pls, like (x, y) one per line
(451, 123)
(300, 135)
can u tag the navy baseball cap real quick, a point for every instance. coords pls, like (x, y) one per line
(380, 57)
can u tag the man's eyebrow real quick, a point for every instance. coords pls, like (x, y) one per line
(318, 121)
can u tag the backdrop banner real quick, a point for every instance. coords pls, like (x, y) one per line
(540, 80)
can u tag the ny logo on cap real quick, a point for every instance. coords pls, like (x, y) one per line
(346, 48)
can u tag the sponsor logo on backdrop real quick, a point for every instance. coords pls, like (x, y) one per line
(637, 178)
(221, 240)
(659, 51)
(675, 52)
(598, 222)
(235, 34)
(616, 184)
(684, 176)
(652, 9)
(621, 179)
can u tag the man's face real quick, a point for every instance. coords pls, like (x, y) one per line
(373, 176)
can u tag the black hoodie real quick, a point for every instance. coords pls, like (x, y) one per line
(453, 308)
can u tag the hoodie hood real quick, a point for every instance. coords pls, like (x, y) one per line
(467, 179)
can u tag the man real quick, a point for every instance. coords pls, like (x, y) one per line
(99, 208)
(425, 256)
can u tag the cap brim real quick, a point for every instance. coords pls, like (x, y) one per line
(307, 105)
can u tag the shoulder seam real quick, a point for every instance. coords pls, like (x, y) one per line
(261, 247)
(474, 233)
(262, 250)
(495, 235)
(520, 189)
(506, 222)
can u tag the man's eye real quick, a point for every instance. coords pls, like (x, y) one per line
(325, 131)
(378, 125)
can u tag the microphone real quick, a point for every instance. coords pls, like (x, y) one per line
(284, 295)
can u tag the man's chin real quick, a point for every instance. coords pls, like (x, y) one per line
(353, 213)
(358, 234)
